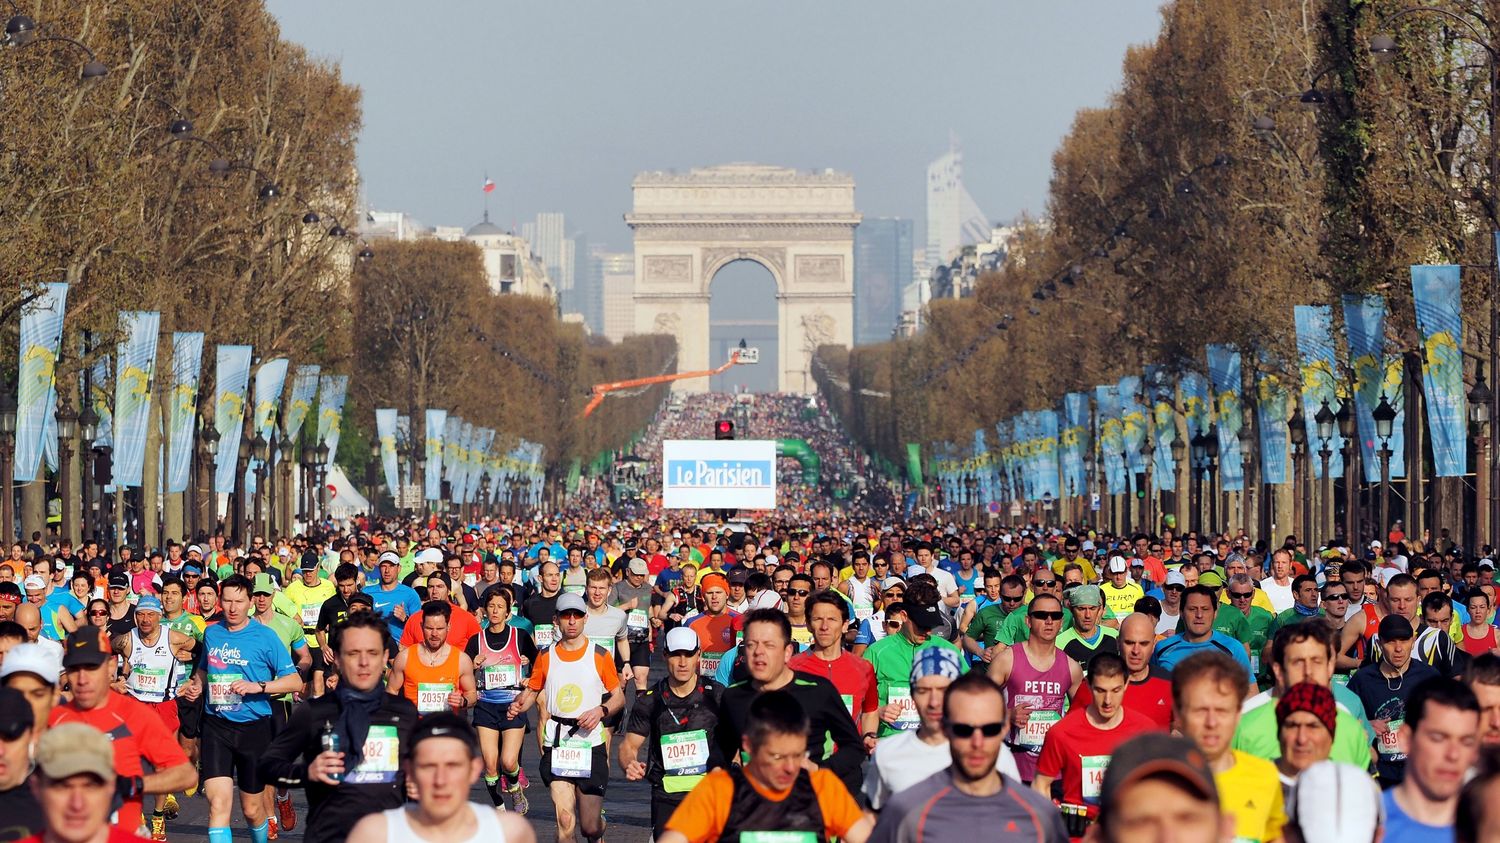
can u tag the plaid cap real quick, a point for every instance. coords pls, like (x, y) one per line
(1312, 698)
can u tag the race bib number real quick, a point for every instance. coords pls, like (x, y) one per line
(148, 680)
(863, 611)
(573, 758)
(906, 718)
(1388, 744)
(637, 619)
(310, 614)
(848, 702)
(1255, 664)
(497, 676)
(1035, 731)
(708, 663)
(1341, 679)
(685, 753)
(778, 837)
(607, 643)
(1093, 776)
(433, 696)
(542, 634)
(219, 695)
(381, 759)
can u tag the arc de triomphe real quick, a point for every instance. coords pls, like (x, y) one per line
(799, 226)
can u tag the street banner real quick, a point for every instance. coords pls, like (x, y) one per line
(404, 439)
(914, 463)
(385, 432)
(1272, 410)
(981, 466)
(1046, 456)
(432, 480)
(1133, 427)
(1005, 459)
(231, 381)
(332, 390)
(36, 391)
(270, 382)
(465, 446)
(182, 408)
(1435, 293)
(1196, 405)
(452, 430)
(722, 474)
(135, 361)
(1395, 392)
(1075, 442)
(103, 398)
(1224, 371)
(1315, 348)
(486, 440)
(1161, 395)
(1364, 329)
(1111, 438)
(299, 405)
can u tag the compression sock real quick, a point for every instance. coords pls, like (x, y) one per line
(261, 833)
(225, 835)
(512, 777)
(492, 784)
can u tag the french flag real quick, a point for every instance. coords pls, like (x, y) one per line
(489, 185)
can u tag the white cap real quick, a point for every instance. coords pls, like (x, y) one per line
(1088, 544)
(389, 557)
(1335, 803)
(34, 581)
(1117, 565)
(429, 555)
(681, 640)
(570, 602)
(891, 582)
(1375, 545)
(32, 658)
(1175, 578)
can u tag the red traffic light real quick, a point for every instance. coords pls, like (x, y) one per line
(723, 429)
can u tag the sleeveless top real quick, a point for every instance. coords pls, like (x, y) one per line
(429, 687)
(1046, 691)
(398, 830)
(752, 817)
(153, 669)
(499, 680)
(571, 688)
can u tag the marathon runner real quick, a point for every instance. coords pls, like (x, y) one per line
(434, 674)
(308, 593)
(502, 655)
(1038, 679)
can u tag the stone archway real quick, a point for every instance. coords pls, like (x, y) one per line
(800, 226)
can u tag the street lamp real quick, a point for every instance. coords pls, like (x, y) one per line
(88, 431)
(1211, 442)
(7, 454)
(1296, 427)
(1325, 419)
(1345, 420)
(260, 450)
(67, 432)
(1199, 447)
(1247, 442)
(1385, 418)
(1147, 496)
(320, 475)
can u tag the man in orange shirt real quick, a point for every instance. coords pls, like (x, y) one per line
(462, 625)
(717, 625)
(773, 791)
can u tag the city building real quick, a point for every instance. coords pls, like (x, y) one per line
(617, 277)
(882, 272)
(953, 217)
(548, 238)
(509, 262)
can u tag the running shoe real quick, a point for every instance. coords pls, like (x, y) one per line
(170, 807)
(158, 827)
(518, 796)
(286, 811)
(271, 831)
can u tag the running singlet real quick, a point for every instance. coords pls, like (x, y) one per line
(1045, 691)
(428, 686)
(153, 669)
(500, 677)
(398, 830)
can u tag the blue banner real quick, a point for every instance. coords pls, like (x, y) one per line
(270, 382)
(1224, 371)
(1272, 410)
(1435, 293)
(1046, 458)
(1364, 328)
(1111, 438)
(1163, 405)
(981, 463)
(36, 391)
(385, 431)
(1075, 443)
(231, 382)
(1196, 406)
(104, 437)
(332, 390)
(1315, 348)
(182, 408)
(299, 404)
(135, 360)
(1005, 459)
(432, 481)
(1134, 425)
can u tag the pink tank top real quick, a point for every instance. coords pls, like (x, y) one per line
(1046, 692)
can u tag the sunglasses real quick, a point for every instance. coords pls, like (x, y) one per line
(98, 614)
(1046, 616)
(892, 624)
(967, 730)
(1043, 583)
(1017, 599)
(1241, 595)
(798, 592)
(1339, 596)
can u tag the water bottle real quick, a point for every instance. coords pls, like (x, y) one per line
(332, 743)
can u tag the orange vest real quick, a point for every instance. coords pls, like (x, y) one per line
(428, 687)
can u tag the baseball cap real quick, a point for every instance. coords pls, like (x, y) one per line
(1175, 578)
(925, 617)
(739, 576)
(86, 646)
(263, 585)
(388, 558)
(1118, 565)
(362, 598)
(638, 567)
(1335, 803)
(892, 582)
(1395, 628)
(935, 661)
(148, 603)
(1155, 754)
(570, 602)
(71, 749)
(1211, 579)
(682, 640)
(34, 581)
(193, 548)
(309, 561)
(1084, 595)
(34, 659)
(15, 714)
(119, 579)
(430, 556)
(444, 724)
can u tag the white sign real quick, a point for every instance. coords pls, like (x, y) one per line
(718, 474)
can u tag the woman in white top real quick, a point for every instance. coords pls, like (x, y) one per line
(444, 763)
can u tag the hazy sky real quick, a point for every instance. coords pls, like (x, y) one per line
(563, 101)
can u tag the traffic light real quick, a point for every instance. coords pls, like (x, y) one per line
(723, 429)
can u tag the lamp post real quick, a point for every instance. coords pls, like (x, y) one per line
(1124, 525)
(241, 465)
(209, 438)
(1344, 418)
(320, 475)
(260, 450)
(1089, 484)
(1148, 498)
(7, 456)
(1179, 450)
(1385, 418)
(1247, 459)
(1324, 419)
(371, 473)
(1479, 415)
(67, 433)
(1200, 463)
(304, 483)
(1212, 443)
(1296, 427)
(88, 429)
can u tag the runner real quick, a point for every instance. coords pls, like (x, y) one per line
(633, 597)
(1038, 679)
(717, 627)
(333, 611)
(852, 676)
(1385, 687)
(773, 793)
(1148, 689)
(371, 728)
(677, 717)
(1086, 636)
(244, 665)
(1442, 740)
(1199, 605)
(442, 766)
(581, 688)
(393, 600)
(501, 654)
(434, 674)
(308, 593)
(891, 659)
